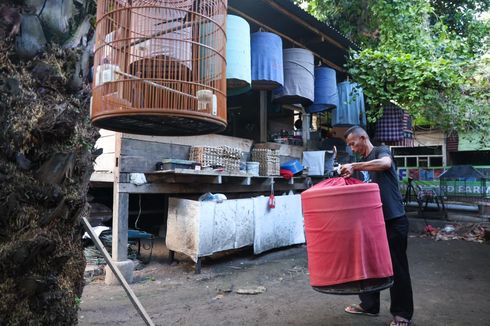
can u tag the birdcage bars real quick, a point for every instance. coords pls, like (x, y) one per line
(160, 66)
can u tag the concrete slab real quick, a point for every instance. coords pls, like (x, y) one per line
(126, 267)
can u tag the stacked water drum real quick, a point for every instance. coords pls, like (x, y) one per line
(326, 93)
(298, 78)
(267, 61)
(238, 63)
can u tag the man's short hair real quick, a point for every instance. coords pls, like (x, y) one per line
(356, 130)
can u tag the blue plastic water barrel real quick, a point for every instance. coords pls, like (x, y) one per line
(267, 64)
(238, 61)
(326, 93)
(351, 110)
(298, 78)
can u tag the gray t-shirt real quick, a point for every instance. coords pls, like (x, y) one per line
(388, 184)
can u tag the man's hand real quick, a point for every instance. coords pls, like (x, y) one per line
(346, 170)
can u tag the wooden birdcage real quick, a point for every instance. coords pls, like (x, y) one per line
(160, 66)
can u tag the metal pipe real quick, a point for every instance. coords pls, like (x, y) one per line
(465, 208)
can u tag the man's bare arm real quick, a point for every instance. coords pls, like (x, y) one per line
(379, 164)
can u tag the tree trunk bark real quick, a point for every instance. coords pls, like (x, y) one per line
(46, 142)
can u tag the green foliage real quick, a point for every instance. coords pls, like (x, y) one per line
(352, 17)
(419, 54)
(459, 15)
(78, 302)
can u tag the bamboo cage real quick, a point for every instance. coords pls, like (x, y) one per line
(160, 67)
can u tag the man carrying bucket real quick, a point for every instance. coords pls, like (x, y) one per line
(378, 162)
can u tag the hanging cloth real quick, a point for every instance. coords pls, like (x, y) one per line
(351, 109)
(407, 131)
(390, 126)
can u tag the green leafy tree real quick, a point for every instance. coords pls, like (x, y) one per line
(413, 54)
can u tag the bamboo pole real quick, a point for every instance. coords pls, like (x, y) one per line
(132, 297)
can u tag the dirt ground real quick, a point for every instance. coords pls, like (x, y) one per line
(451, 283)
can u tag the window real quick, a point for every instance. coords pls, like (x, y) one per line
(400, 161)
(411, 162)
(415, 157)
(435, 161)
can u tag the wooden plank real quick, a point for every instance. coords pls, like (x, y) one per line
(263, 116)
(132, 297)
(149, 150)
(190, 179)
(124, 177)
(193, 176)
(205, 140)
(154, 150)
(141, 156)
(138, 164)
(200, 172)
(184, 188)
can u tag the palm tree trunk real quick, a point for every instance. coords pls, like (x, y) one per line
(46, 142)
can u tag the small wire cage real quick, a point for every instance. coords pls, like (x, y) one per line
(160, 67)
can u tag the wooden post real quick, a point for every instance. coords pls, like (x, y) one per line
(263, 116)
(306, 128)
(119, 210)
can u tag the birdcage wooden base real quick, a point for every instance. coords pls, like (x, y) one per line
(160, 125)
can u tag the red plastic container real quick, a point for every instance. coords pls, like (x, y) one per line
(346, 237)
